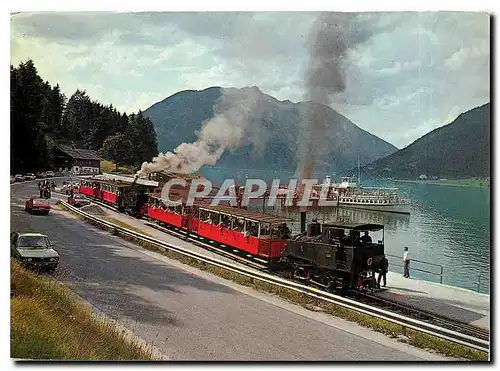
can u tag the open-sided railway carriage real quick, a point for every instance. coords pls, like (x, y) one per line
(333, 255)
(259, 235)
(126, 197)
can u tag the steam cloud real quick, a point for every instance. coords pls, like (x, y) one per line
(235, 112)
(324, 78)
(238, 112)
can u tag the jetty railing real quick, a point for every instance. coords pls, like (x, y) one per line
(481, 282)
(419, 269)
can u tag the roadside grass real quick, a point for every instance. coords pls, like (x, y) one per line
(412, 337)
(49, 322)
(110, 167)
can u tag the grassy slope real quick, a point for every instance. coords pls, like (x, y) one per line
(110, 167)
(49, 322)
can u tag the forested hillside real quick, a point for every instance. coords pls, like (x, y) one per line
(42, 116)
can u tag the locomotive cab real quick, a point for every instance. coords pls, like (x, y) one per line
(337, 256)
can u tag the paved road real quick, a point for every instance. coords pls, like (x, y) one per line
(190, 315)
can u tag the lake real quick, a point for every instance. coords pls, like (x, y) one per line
(448, 226)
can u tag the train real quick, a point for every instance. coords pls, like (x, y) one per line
(332, 256)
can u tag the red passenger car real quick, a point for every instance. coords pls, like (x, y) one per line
(171, 215)
(257, 234)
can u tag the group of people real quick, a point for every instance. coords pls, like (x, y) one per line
(45, 188)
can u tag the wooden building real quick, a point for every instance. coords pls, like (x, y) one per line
(78, 161)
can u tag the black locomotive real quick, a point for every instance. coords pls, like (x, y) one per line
(337, 256)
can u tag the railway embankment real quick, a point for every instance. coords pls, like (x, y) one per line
(49, 322)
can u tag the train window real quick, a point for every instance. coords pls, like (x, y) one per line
(264, 230)
(205, 216)
(252, 228)
(225, 222)
(238, 224)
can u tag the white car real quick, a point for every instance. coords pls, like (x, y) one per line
(34, 249)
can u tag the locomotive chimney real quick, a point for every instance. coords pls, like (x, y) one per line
(313, 228)
(136, 177)
(302, 221)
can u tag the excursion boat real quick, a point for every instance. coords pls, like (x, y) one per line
(349, 193)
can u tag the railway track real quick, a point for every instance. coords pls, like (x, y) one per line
(367, 298)
(422, 315)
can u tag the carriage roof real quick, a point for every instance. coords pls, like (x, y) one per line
(355, 226)
(122, 180)
(240, 213)
(232, 211)
(115, 183)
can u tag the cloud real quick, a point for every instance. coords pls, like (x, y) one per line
(405, 73)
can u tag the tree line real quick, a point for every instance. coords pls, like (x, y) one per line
(42, 117)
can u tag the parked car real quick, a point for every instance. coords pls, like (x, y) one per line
(30, 176)
(49, 174)
(78, 200)
(34, 249)
(40, 174)
(37, 205)
(19, 178)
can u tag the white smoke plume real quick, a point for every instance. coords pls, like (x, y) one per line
(333, 36)
(234, 113)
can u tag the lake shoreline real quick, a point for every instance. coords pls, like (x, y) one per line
(442, 183)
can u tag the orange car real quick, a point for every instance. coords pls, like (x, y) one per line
(37, 205)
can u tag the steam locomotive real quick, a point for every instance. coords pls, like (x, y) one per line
(332, 256)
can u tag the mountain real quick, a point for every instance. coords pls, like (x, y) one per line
(458, 150)
(278, 126)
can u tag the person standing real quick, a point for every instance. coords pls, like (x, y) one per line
(406, 263)
(383, 271)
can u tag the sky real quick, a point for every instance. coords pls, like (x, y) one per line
(406, 73)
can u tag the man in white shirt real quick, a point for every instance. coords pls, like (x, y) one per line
(406, 263)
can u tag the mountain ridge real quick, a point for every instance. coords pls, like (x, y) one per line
(460, 149)
(279, 130)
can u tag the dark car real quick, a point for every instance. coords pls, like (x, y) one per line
(36, 205)
(78, 200)
(33, 249)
